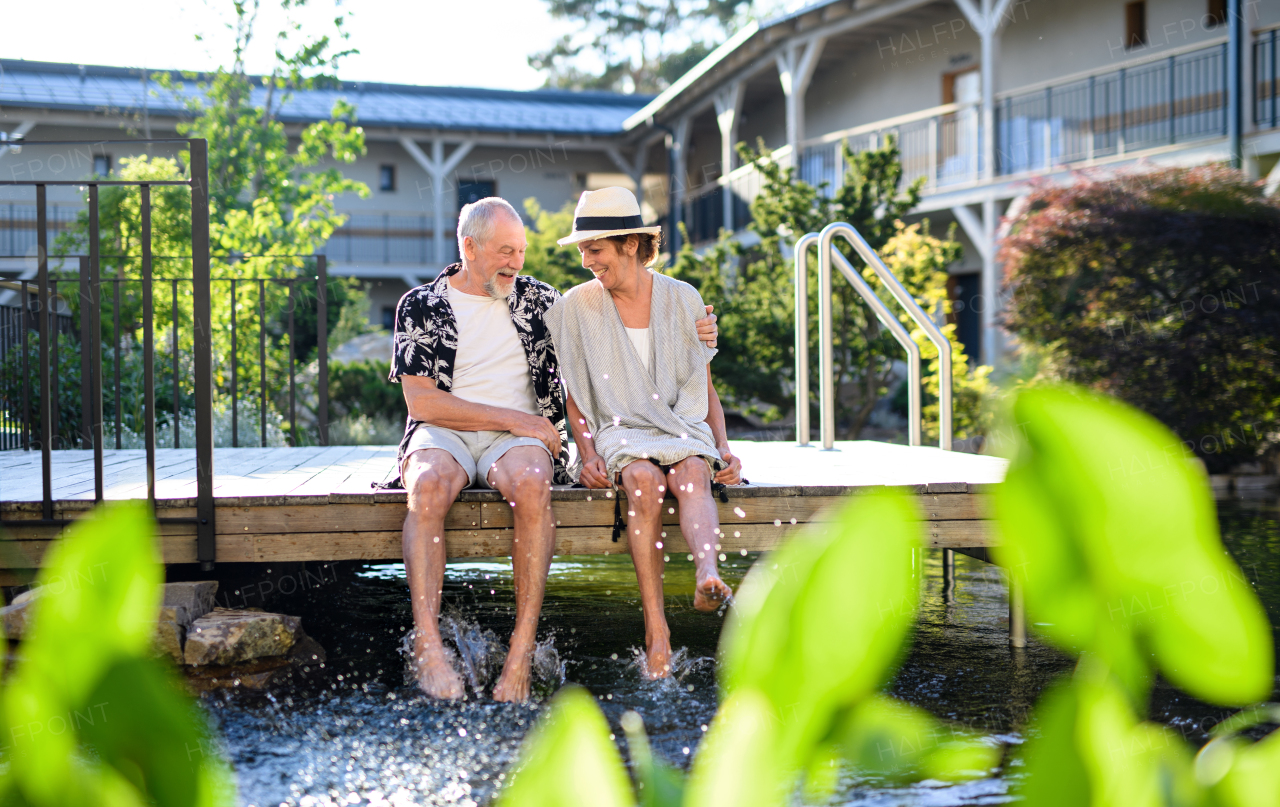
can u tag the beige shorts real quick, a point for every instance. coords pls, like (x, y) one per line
(476, 452)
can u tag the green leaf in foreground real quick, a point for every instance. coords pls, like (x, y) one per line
(660, 784)
(568, 759)
(91, 717)
(1110, 526)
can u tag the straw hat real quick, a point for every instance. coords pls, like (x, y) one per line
(608, 211)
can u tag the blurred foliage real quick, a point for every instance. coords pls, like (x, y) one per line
(753, 290)
(1108, 524)
(1159, 289)
(90, 716)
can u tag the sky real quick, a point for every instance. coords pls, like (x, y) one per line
(470, 43)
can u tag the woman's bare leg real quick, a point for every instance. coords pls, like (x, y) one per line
(691, 478)
(643, 483)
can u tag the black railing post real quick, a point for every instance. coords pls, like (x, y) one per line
(262, 363)
(148, 350)
(86, 322)
(26, 368)
(115, 338)
(322, 347)
(47, 323)
(1235, 106)
(173, 335)
(202, 331)
(293, 412)
(1274, 118)
(1173, 100)
(95, 342)
(235, 372)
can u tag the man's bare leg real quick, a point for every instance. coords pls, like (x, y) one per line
(699, 523)
(523, 476)
(433, 479)
(644, 485)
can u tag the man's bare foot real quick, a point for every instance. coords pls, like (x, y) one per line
(711, 592)
(436, 676)
(657, 658)
(513, 684)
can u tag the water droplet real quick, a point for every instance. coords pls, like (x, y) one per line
(739, 512)
(462, 732)
(722, 557)
(793, 521)
(690, 557)
(743, 552)
(686, 748)
(606, 376)
(777, 522)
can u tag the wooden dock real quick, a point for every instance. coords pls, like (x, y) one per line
(304, 504)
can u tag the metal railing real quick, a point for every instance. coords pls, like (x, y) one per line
(91, 285)
(828, 254)
(1151, 103)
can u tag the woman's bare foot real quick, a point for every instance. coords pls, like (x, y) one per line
(513, 684)
(657, 657)
(436, 676)
(711, 591)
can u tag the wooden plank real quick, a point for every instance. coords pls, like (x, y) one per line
(386, 545)
(950, 534)
(29, 554)
(369, 517)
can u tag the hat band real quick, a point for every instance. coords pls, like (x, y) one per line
(586, 223)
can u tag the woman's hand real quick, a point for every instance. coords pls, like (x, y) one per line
(594, 474)
(733, 474)
(707, 330)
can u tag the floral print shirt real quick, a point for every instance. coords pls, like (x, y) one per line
(425, 343)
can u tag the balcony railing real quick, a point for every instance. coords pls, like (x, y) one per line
(1157, 102)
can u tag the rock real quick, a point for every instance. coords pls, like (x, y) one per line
(169, 637)
(227, 636)
(307, 651)
(251, 675)
(18, 613)
(196, 597)
(176, 614)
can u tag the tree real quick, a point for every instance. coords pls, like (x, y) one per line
(1158, 289)
(271, 197)
(635, 45)
(754, 293)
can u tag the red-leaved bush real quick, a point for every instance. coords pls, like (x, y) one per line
(1162, 289)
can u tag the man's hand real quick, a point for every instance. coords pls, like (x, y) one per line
(538, 428)
(594, 474)
(707, 330)
(733, 474)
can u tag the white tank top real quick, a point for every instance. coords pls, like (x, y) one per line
(640, 341)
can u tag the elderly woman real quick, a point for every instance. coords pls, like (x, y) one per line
(641, 405)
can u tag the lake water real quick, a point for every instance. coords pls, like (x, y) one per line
(356, 732)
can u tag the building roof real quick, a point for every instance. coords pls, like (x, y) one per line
(85, 88)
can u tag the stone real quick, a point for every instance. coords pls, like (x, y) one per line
(18, 613)
(255, 675)
(307, 651)
(176, 614)
(169, 638)
(227, 636)
(196, 597)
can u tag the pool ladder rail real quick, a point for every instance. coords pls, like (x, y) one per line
(828, 254)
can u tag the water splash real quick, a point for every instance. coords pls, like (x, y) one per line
(680, 665)
(478, 655)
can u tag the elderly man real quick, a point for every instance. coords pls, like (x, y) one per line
(486, 409)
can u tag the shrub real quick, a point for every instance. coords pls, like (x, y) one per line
(1159, 290)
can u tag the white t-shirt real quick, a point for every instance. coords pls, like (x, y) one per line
(491, 367)
(640, 341)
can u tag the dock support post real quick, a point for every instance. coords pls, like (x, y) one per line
(948, 576)
(1017, 615)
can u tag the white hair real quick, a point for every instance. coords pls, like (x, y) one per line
(477, 219)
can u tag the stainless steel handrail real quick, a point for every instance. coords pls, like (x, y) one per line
(802, 336)
(826, 392)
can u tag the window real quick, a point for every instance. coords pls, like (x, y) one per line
(1217, 12)
(388, 318)
(1135, 24)
(386, 177)
(474, 190)
(101, 165)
